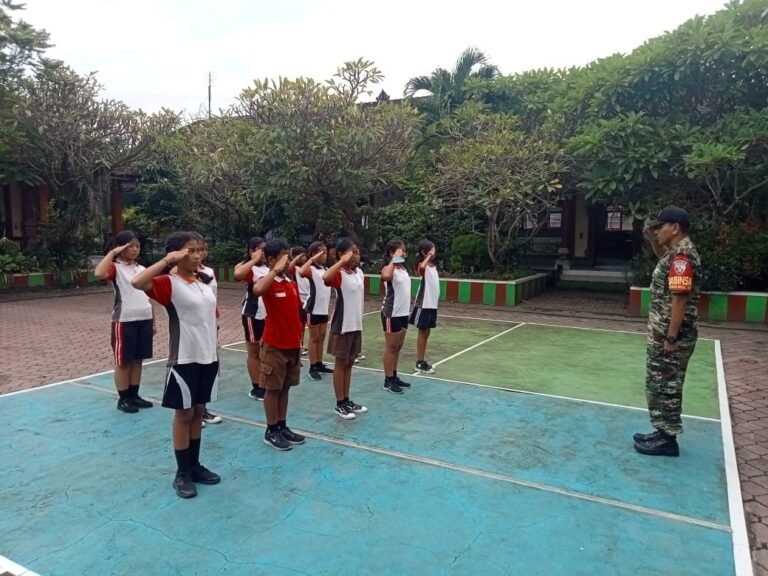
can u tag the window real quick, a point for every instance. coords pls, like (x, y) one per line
(616, 220)
(555, 219)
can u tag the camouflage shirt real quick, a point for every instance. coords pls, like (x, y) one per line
(678, 272)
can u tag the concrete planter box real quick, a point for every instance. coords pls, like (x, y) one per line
(36, 280)
(750, 307)
(453, 290)
(488, 292)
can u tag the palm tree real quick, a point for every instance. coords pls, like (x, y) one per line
(447, 89)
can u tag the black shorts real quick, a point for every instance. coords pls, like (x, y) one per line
(131, 341)
(254, 329)
(393, 325)
(303, 316)
(423, 318)
(317, 319)
(189, 384)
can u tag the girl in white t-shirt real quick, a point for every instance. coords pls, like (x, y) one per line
(317, 307)
(424, 313)
(394, 312)
(133, 324)
(193, 357)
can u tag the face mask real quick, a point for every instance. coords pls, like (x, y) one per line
(398, 260)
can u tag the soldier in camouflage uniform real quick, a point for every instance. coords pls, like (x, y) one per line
(672, 329)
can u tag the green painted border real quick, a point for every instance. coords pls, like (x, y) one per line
(374, 285)
(443, 290)
(645, 302)
(415, 286)
(718, 307)
(489, 294)
(511, 299)
(465, 291)
(35, 280)
(756, 306)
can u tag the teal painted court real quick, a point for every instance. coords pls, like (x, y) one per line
(515, 459)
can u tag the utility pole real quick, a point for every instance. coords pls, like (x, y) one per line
(209, 95)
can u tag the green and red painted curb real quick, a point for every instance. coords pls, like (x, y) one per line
(750, 307)
(489, 292)
(47, 280)
(453, 290)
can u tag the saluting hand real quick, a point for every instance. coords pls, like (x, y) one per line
(295, 261)
(281, 264)
(346, 258)
(173, 257)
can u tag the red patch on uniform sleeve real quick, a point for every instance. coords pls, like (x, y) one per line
(335, 282)
(161, 290)
(112, 272)
(680, 277)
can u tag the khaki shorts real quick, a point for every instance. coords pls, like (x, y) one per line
(345, 346)
(280, 369)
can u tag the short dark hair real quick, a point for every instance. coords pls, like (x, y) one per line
(178, 240)
(253, 243)
(122, 238)
(274, 247)
(392, 245)
(296, 250)
(343, 245)
(316, 247)
(422, 248)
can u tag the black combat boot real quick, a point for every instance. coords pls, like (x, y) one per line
(661, 445)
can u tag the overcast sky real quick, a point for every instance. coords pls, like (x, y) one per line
(154, 53)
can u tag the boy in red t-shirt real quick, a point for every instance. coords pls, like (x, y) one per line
(280, 354)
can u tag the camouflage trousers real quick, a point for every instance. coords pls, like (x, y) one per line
(664, 377)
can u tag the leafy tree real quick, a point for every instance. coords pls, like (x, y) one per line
(489, 163)
(75, 142)
(448, 89)
(320, 155)
(21, 47)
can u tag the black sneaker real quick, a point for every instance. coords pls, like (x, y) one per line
(343, 411)
(291, 436)
(356, 408)
(276, 440)
(638, 437)
(211, 418)
(256, 394)
(314, 374)
(127, 406)
(661, 445)
(323, 369)
(184, 486)
(391, 386)
(139, 402)
(424, 368)
(201, 475)
(401, 383)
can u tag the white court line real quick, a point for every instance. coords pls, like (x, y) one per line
(484, 474)
(742, 556)
(529, 392)
(640, 333)
(473, 471)
(94, 375)
(542, 394)
(452, 356)
(7, 565)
